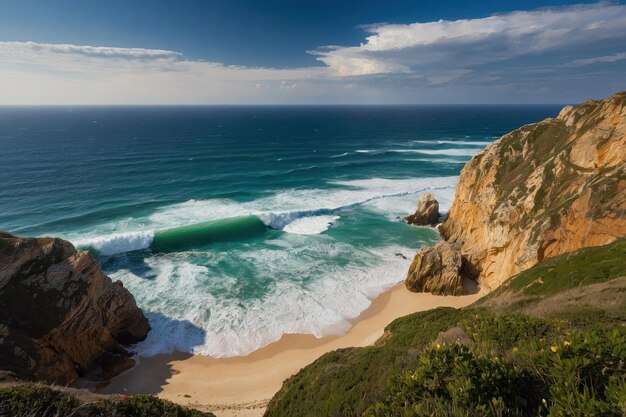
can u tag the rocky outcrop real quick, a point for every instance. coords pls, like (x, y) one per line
(437, 270)
(542, 190)
(61, 316)
(427, 213)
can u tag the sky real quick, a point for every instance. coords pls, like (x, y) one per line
(310, 52)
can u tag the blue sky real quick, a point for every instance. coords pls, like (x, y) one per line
(295, 52)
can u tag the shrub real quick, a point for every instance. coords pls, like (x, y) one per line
(577, 374)
(36, 400)
(454, 380)
(586, 375)
(503, 331)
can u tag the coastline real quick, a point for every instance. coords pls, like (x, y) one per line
(241, 386)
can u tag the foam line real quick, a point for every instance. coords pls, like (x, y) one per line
(454, 142)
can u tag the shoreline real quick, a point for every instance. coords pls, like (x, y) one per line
(241, 386)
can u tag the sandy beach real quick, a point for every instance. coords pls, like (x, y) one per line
(242, 386)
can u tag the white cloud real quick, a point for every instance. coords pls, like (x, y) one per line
(47, 73)
(90, 51)
(345, 62)
(598, 59)
(408, 48)
(541, 55)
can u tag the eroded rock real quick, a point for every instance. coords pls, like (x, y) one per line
(60, 314)
(436, 270)
(427, 213)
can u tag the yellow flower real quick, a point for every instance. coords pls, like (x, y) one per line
(567, 343)
(554, 348)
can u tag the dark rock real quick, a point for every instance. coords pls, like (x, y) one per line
(61, 315)
(427, 213)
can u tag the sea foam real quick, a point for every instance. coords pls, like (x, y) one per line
(310, 225)
(454, 142)
(117, 242)
(193, 320)
(447, 152)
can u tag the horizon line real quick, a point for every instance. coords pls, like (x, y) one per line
(290, 104)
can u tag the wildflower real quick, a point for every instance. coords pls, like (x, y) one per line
(567, 343)
(554, 348)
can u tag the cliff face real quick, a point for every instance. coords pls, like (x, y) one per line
(61, 317)
(542, 190)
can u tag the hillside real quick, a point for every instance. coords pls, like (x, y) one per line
(552, 341)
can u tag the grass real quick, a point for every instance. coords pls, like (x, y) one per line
(571, 270)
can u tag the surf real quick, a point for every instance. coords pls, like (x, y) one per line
(177, 238)
(202, 234)
(199, 223)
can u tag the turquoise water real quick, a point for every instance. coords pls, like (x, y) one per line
(235, 225)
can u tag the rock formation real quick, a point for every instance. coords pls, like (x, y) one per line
(436, 270)
(427, 213)
(542, 190)
(61, 317)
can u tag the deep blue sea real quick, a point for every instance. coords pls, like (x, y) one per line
(235, 225)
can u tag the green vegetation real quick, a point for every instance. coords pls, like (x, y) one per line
(37, 400)
(552, 342)
(575, 374)
(571, 270)
(346, 381)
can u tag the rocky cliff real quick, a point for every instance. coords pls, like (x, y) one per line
(61, 317)
(542, 190)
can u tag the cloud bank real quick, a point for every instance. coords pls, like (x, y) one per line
(554, 55)
(464, 44)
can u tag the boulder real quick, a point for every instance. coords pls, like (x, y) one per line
(427, 213)
(436, 270)
(61, 316)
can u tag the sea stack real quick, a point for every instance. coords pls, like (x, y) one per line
(61, 316)
(427, 213)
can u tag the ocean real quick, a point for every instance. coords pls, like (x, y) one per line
(235, 225)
